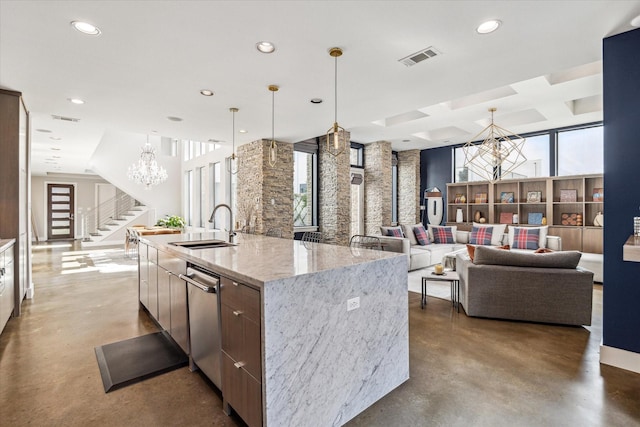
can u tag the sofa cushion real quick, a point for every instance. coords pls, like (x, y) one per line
(431, 228)
(542, 242)
(421, 235)
(385, 231)
(487, 255)
(409, 233)
(497, 232)
(481, 235)
(524, 238)
(443, 235)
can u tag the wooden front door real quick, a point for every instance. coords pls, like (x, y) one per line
(60, 221)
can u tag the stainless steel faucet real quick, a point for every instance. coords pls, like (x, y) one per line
(212, 220)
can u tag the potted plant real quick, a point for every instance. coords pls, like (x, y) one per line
(174, 221)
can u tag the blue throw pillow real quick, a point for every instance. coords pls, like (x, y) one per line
(395, 232)
(443, 235)
(524, 238)
(421, 235)
(481, 235)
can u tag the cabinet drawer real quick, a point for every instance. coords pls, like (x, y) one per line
(240, 297)
(152, 254)
(242, 392)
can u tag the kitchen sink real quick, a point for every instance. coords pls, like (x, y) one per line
(202, 244)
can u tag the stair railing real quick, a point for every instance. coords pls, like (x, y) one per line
(96, 219)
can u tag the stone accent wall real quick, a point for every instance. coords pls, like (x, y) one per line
(409, 187)
(334, 197)
(377, 181)
(265, 194)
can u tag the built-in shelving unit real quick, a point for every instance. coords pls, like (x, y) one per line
(568, 204)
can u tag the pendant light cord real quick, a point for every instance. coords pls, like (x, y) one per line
(335, 119)
(273, 121)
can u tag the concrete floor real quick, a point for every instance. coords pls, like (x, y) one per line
(464, 371)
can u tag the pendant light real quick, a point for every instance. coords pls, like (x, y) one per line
(273, 147)
(336, 138)
(232, 161)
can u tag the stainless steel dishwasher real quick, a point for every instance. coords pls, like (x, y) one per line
(204, 322)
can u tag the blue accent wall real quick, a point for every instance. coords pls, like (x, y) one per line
(435, 171)
(621, 305)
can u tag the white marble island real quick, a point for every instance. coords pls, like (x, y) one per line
(321, 364)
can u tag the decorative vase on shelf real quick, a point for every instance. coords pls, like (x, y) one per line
(544, 220)
(477, 216)
(459, 217)
(598, 221)
(463, 199)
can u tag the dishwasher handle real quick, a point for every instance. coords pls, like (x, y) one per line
(205, 288)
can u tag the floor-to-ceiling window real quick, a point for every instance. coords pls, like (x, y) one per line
(581, 151)
(215, 188)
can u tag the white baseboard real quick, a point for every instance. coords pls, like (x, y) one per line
(619, 358)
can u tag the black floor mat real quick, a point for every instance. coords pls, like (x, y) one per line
(125, 362)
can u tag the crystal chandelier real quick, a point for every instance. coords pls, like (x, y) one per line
(498, 155)
(336, 138)
(146, 170)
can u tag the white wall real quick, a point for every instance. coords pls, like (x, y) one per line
(118, 150)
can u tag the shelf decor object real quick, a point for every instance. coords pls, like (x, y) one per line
(534, 197)
(146, 170)
(506, 218)
(498, 155)
(273, 147)
(506, 197)
(535, 218)
(568, 195)
(598, 194)
(570, 219)
(232, 161)
(336, 138)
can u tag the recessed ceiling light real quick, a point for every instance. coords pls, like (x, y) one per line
(206, 92)
(265, 47)
(43, 130)
(86, 28)
(55, 138)
(242, 131)
(174, 119)
(316, 101)
(75, 101)
(636, 21)
(55, 148)
(488, 26)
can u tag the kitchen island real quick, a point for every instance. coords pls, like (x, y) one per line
(333, 323)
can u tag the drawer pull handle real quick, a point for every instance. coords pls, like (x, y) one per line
(237, 312)
(238, 364)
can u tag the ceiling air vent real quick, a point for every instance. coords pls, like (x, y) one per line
(65, 119)
(419, 56)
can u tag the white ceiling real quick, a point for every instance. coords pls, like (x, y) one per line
(541, 69)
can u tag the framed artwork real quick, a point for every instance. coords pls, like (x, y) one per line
(535, 218)
(506, 197)
(568, 195)
(598, 194)
(534, 197)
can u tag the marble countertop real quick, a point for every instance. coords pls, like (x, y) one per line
(5, 243)
(257, 259)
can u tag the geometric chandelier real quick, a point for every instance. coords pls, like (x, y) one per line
(146, 170)
(499, 154)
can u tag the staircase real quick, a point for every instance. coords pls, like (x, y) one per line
(107, 222)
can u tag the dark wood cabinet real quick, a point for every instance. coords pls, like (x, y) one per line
(241, 347)
(15, 176)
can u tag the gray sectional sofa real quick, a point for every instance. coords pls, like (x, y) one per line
(516, 285)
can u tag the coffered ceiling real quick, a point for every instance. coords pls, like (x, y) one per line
(541, 69)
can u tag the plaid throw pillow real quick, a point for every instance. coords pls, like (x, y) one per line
(481, 235)
(394, 232)
(442, 235)
(421, 235)
(526, 239)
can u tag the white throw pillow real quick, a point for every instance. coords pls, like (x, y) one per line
(542, 242)
(453, 228)
(408, 232)
(496, 233)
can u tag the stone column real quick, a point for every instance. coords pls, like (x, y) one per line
(334, 197)
(409, 187)
(265, 194)
(377, 181)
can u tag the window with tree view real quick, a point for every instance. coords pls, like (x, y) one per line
(303, 189)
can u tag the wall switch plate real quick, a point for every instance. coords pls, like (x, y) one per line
(353, 303)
